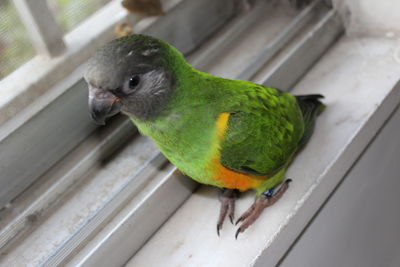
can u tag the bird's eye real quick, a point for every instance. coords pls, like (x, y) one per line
(134, 81)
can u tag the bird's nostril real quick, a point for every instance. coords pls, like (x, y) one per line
(103, 94)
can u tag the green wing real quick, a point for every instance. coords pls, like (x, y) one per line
(263, 135)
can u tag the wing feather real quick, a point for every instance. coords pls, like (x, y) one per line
(263, 135)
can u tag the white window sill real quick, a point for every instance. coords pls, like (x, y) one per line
(358, 78)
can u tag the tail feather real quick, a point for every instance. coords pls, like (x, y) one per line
(311, 107)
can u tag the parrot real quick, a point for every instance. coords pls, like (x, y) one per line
(232, 134)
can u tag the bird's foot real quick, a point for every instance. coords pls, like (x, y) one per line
(227, 199)
(268, 198)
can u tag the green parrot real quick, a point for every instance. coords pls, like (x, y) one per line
(233, 134)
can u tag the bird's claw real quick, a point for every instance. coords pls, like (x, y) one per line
(261, 202)
(239, 230)
(231, 218)
(241, 218)
(227, 198)
(246, 214)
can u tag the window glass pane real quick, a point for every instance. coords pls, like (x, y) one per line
(70, 13)
(15, 45)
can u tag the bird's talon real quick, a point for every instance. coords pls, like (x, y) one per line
(261, 202)
(239, 230)
(227, 199)
(231, 218)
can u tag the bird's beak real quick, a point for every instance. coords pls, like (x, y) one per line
(102, 104)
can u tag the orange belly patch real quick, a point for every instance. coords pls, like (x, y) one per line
(227, 177)
(237, 180)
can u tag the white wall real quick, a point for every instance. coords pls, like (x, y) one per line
(377, 17)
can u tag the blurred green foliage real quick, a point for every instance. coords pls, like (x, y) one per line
(15, 45)
(70, 13)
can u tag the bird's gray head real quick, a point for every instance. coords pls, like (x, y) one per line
(131, 74)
